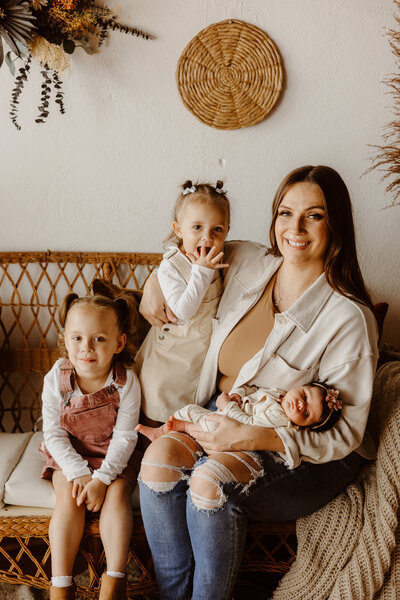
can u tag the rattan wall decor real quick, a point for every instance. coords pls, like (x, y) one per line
(230, 75)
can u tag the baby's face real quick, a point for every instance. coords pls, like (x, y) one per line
(303, 405)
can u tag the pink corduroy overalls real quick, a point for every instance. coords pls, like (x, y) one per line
(89, 421)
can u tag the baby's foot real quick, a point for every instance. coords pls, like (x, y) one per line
(176, 425)
(171, 424)
(152, 433)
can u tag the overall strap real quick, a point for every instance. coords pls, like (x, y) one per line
(66, 379)
(180, 263)
(120, 374)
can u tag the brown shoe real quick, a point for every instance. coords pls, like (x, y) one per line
(62, 593)
(112, 588)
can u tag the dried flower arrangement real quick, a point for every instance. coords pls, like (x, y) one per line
(49, 31)
(387, 158)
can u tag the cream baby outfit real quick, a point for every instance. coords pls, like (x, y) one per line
(171, 357)
(260, 407)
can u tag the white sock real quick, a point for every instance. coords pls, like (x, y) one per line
(61, 581)
(116, 574)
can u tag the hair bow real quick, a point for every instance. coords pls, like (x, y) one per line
(189, 190)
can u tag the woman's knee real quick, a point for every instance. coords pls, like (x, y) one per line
(208, 479)
(168, 458)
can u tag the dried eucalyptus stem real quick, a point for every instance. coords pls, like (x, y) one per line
(387, 158)
(19, 85)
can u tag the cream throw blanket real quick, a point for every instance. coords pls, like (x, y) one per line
(350, 548)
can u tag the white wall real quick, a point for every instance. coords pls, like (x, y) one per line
(105, 175)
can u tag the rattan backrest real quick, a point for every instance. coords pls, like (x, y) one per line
(32, 285)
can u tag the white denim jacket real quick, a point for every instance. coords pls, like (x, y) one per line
(322, 337)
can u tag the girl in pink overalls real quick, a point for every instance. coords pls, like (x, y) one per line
(91, 402)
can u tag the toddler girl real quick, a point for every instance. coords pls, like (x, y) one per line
(91, 402)
(314, 406)
(191, 284)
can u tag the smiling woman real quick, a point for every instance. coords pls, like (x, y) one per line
(289, 316)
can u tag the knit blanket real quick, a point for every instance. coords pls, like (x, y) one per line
(350, 548)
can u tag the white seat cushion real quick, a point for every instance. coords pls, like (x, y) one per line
(25, 486)
(12, 446)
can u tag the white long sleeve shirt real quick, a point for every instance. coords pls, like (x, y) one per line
(184, 298)
(123, 439)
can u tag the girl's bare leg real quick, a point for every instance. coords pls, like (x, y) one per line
(116, 524)
(66, 527)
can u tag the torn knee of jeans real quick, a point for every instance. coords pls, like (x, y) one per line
(163, 485)
(217, 475)
(208, 496)
(208, 504)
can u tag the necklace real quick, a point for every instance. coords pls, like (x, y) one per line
(276, 302)
(279, 299)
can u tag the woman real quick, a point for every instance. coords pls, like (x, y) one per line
(297, 313)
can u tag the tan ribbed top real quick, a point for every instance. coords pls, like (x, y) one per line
(246, 338)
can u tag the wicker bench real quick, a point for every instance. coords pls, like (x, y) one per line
(31, 288)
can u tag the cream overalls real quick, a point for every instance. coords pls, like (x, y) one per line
(171, 357)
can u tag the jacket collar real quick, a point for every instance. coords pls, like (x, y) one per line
(307, 308)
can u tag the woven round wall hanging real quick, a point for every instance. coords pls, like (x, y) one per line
(230, 75)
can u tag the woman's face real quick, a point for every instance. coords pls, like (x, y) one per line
(301, 230)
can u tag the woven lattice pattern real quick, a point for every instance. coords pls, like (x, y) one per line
(25, 557)
(270, 547)
(230, 75)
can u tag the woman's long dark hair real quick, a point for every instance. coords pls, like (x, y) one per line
(342, 270)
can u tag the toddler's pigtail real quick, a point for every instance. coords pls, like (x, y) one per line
(128, 318)
(126, 311)
(188, 184)
(65, 306)
(62, 317)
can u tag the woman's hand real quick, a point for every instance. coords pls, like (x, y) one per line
(78, 485)
(231, 435)
(93, 494)
(153, 306)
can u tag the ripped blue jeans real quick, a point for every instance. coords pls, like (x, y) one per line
(195, 510)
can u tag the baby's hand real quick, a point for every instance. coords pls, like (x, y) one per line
(210, 260)
(222, 401)
(93, 494)
(236, 398)
(78, 485)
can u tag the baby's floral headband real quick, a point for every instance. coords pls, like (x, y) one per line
(332, 400)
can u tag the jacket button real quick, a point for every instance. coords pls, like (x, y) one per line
(161, 336)
(281, 320)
